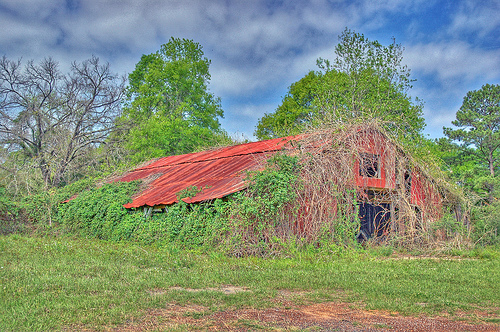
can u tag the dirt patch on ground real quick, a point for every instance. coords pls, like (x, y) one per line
(330, 316)
(285, 314)
(435, 258)
(227, 289)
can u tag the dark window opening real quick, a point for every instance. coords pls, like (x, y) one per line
(369, 165)
(407, 183)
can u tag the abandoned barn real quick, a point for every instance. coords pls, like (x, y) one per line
(345, 172)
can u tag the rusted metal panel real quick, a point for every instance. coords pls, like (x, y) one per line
(217, 173)
(229, 151)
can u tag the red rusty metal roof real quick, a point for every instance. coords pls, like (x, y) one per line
(217, 173)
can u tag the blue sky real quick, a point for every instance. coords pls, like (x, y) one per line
(259, 48)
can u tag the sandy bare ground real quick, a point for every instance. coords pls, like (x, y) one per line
(284, 315)
(317, 317)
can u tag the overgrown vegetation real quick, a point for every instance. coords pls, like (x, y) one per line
(260, 216)
(304, 197)
(472, 155)
(299, 200)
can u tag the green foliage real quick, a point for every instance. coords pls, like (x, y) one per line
(356, 53)
(450, 226)
(295, 111)
(344, 228)
(270, 217)
(38, 210)
(41, 207)
(458, 162)
(366, 80)
(274, 187)
(365, 95)
(265, 212)
(486, 223)
(9, 214)
(169, 106)
(478, 123)
(184, 225)
(269, 192)
(189, 192)
(97, 212)
(472, 154)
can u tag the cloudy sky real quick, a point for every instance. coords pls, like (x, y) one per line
(258, 48)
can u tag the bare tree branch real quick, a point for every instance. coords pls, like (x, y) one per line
(57, 119)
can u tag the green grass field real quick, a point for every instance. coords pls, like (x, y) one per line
(50, 284)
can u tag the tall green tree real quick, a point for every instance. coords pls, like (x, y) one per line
(355, 54)
(170, 108)
(365, 80)
(478, 129)
(295, 111)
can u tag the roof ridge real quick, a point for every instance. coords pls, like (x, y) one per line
(202, 160)
(269, 149)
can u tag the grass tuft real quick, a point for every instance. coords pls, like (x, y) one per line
(50, 284)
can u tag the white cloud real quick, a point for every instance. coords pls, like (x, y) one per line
(445, 72)
(399, 6)
(244, 117)
(256, 46)
(453, 60)
(244, 80)
(24, 39)
(477, 17)
(255, 111)
(34, 9)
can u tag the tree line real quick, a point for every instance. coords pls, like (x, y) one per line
(57, 128)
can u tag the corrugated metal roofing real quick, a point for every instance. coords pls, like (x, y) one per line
(217, 172)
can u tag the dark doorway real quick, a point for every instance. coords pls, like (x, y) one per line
(374, 220)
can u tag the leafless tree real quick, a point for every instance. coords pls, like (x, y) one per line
(54, 121)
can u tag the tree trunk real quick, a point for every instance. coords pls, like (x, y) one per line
(491, 163)
(491, 187)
